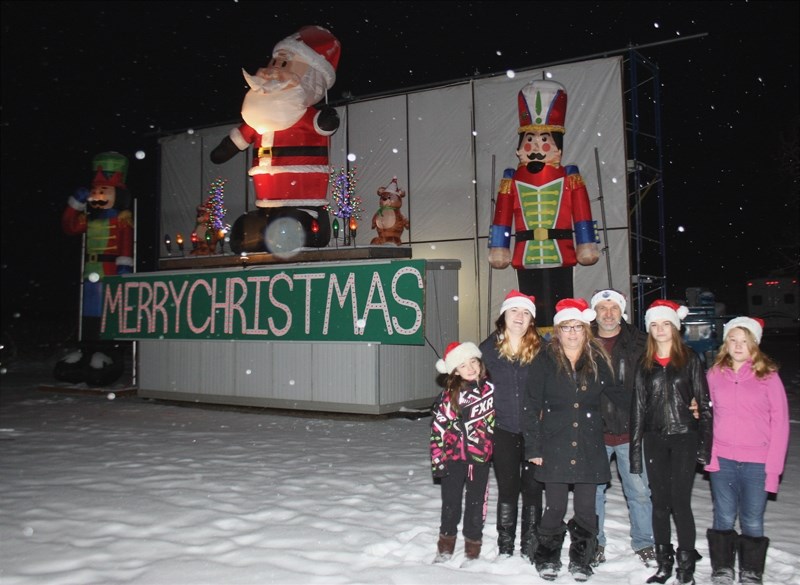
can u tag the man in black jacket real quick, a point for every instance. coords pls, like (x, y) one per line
(626, 345)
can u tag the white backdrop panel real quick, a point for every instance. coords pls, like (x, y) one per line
(444, 162)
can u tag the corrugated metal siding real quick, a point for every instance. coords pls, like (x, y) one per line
(348, 377)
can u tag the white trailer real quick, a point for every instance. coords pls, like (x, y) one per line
(774, 299)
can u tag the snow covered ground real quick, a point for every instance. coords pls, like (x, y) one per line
(103, 489)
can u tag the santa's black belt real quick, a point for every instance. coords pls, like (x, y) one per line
(293, 151)
(101, 258)
(543, 234)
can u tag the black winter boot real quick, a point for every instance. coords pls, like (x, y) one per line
(547, 555)
(686, 563)
(752, 558)
(665, 558)
(581, 550)
(530, 520)
(506, 528)
(722, 550)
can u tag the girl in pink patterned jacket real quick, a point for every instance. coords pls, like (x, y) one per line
(751, 437)
(461, 447)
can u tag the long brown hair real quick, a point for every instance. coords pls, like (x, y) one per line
(591, 351)
(529, 346)
(455, 385)
(763, 365)
(678, 351)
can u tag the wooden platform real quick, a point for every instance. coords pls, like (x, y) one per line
(348, 253)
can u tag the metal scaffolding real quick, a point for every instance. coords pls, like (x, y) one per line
(645, 183)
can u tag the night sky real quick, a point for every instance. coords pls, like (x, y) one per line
(80, 78)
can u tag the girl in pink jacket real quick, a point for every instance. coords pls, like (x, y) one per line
(751, 437)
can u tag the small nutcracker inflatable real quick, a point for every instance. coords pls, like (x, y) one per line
(548, 203)
(290, 138)
(104, 214)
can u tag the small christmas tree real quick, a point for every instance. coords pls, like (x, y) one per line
(345, 205)
(216, 207)
(211, 227)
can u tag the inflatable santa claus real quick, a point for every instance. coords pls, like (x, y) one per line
(547, 202)
(104, 214)
(290, 137)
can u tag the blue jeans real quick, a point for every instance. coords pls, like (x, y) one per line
(637, 494)
(739, 487)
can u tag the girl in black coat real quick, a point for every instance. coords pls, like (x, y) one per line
(563, 431)
(669, 381)
(508, 353)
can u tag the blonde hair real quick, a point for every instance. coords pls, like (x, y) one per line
(678, 351)
(591, 348)
(455, 385)
(529, 346)
(763, 365)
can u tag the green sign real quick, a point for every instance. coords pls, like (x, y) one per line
(372, 302)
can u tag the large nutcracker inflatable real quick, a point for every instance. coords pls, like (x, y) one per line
(290, 138)
(104, 214)
(548, 203)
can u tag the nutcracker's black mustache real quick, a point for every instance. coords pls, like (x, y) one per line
(97, 203)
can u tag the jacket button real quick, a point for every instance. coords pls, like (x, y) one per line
(576, 405)
(572, 462)
(575, 425)
(574, 443)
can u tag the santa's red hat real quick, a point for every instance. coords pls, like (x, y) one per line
(569, 309)
(455, 355)
(517, 299)
(542, 107)
(661, 310)
(317, 47)
(752, 324)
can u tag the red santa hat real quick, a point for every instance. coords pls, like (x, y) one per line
(610, 294)
(517, 299)
(455, 355)
(542, 107)
(392, 187)
(752, 324)
(661, 309)
(317, 47)
(569, 309)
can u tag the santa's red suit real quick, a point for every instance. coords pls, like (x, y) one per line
(546, 207)
(290, 167)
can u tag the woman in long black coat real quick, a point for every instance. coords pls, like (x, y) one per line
(563, 432)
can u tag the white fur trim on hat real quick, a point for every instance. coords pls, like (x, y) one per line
(587, 315)
(665, 310)
(610, 294)
(311, 55)
(517, 299)
(455, 355)
(745, 323)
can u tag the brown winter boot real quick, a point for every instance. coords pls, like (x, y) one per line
(445, 548)
(472, 548)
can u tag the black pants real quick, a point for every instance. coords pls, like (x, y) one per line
(583, 501)
(475, 477)
(513, 473)
(671, 463)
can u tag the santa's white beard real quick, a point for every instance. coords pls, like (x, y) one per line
(273, 111)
